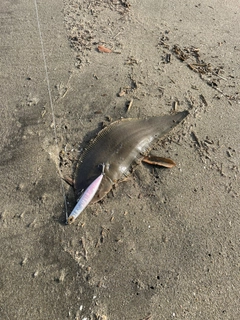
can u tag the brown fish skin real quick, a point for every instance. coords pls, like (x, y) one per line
(121, 146)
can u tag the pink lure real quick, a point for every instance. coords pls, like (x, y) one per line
(86, 198)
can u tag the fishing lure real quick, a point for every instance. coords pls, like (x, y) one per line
(86, 197)
(121, 146)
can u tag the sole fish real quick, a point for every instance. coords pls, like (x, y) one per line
(120, 147)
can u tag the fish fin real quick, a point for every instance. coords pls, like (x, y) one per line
(159, 161)
(69, 181)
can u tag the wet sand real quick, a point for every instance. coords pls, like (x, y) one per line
(165, 243)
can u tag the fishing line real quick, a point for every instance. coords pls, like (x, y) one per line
(51, 101)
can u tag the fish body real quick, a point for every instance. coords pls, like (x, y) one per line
(120, 147)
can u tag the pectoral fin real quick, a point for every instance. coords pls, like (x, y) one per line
(159, 161)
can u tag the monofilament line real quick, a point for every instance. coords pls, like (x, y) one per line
(51, 101)
(46, 71)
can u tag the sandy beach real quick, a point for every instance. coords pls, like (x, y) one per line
(165, 243)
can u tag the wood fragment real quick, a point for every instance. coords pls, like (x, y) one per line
(201, 68)
(216, 74)
(203, 100)
(69, 180)
(104, 49)
(168, 57)
(221, 170)
(194, 87)
(175, 105)
(98, 111)
(229, 154)
(122, 92)
(129, 105)
(43, 113)
(195, 138)
(208, 141)
(131, 61)
(84, 247)
(178, 52)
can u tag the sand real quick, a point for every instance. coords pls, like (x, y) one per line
(165, 243)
